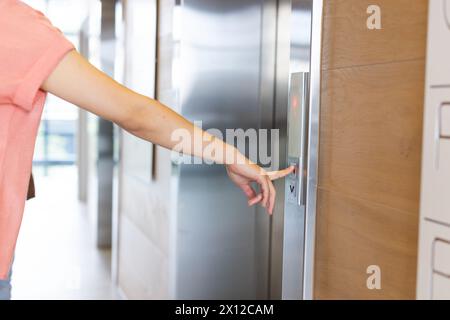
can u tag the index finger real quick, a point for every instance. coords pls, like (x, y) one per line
(274, 175)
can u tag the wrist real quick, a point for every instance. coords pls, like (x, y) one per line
(234, 157)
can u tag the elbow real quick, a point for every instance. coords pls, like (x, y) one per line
(136, 118)
(130, 121)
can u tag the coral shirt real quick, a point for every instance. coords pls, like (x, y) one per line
(30, 48)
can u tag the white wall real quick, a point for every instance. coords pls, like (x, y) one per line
(143, 220)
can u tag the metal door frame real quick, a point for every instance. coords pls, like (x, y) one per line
(313, 148)
(278, 223)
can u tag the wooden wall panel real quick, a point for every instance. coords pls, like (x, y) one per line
(370, 149)
(348, 42)
(371, 132)
(354, 234)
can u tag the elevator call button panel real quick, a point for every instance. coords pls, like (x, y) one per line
(297, 137)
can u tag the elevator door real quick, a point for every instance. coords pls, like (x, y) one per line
(217, 247)
(241, 64)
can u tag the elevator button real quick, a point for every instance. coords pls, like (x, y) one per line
(294, 173)
(292, 191)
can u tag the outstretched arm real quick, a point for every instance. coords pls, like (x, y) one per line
(77, 81)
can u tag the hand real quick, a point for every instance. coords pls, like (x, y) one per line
(244, 174)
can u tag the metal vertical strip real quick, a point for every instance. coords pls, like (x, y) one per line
(313, 148)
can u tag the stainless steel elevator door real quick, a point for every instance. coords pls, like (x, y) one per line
(217, 247)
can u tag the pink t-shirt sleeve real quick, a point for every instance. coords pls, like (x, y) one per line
(30, 49)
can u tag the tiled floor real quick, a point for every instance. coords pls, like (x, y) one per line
(56, 256)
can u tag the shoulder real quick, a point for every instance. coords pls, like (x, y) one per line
(18, 15)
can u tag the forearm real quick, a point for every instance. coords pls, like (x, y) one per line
(155, 122)
(77, 81)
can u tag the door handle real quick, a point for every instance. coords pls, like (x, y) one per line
(446, 11)
(443, 129)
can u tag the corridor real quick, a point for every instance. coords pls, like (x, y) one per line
(56, 256)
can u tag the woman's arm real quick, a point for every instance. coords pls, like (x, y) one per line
(77, 81)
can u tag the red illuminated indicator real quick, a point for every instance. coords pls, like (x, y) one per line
(294, 102)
